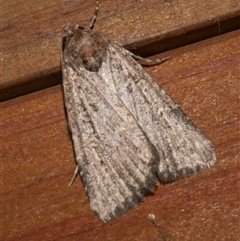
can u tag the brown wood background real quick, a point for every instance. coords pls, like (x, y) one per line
(37, 160)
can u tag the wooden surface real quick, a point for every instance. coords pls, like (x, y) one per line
(37, 156)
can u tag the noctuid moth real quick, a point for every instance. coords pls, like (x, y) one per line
(126, 130)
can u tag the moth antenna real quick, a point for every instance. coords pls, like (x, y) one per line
(93, 20)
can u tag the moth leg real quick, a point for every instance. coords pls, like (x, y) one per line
(149, 61)
(74, 176)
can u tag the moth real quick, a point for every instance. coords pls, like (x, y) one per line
(127, 132)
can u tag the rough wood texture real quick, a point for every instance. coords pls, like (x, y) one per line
(37, 160)
(31, 32)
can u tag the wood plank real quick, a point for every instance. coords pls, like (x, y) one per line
(38, 161)
(31, 32)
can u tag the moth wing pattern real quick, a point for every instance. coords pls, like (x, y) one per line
(125, 128)
(117, 162)
(181, 146)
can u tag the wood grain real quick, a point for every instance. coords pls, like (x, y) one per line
(38, 162)
(31, 32)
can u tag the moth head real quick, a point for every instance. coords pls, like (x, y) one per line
(83, 47)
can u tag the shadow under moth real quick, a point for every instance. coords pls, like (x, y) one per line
(126, 130)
